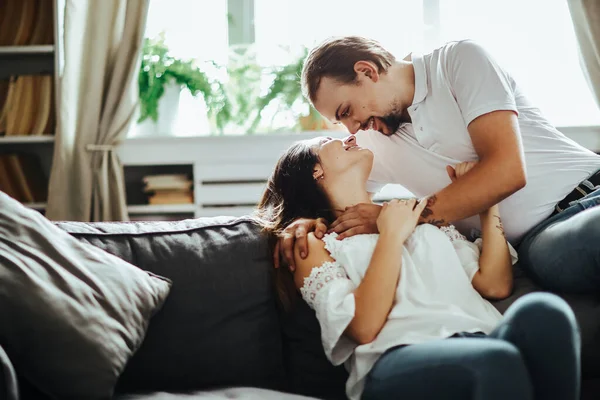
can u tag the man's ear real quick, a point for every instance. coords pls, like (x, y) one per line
(317, 172)
(366, 69)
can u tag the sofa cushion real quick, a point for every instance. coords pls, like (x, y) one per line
(587, 311)
(71, 314)
(309, 370)
(9, 389)
(219, 326)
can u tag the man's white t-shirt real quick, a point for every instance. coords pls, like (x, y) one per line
(454, 85)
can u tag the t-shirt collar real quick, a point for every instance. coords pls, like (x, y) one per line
(420, 78)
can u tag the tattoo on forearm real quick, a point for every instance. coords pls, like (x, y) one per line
(427, 212)
(437, 222)
(499, 225)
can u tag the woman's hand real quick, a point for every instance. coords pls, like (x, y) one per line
(459, 170)
(399, 218)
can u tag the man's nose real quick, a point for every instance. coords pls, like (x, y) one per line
(353, 126)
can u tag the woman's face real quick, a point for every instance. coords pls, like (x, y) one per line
(341, 157)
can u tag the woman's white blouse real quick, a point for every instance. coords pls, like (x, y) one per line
(434, 298)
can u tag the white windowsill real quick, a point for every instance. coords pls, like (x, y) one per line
(587, 136)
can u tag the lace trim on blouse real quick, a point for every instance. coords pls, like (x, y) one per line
(318, 279)
(452, 233)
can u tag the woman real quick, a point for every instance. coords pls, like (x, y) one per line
(403, 309)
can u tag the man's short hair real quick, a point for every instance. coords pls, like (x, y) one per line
(335, 58)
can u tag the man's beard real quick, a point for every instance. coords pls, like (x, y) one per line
(396, 117)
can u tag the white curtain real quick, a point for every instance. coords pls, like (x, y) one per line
(586, 21)
(98, 96)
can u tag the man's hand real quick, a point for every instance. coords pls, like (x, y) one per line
(361, 218)
(295, 235)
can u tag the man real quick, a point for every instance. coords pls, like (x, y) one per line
(457, 104)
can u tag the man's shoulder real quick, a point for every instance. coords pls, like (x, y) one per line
(460, 49)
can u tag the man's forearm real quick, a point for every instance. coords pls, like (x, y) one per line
(477, 191)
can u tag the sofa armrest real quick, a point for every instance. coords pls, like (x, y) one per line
(9, 389)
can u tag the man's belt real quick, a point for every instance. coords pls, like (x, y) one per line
(586, 187)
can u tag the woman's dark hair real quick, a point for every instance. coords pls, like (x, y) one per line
(291, 193)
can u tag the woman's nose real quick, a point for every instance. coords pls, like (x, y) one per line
(350, 139)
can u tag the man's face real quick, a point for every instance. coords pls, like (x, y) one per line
(367, 104)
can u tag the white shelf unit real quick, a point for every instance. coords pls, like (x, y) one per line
(154, 209)
(229, 172)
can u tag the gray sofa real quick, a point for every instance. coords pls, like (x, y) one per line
(221, 334)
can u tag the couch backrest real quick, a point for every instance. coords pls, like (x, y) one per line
(220, 325)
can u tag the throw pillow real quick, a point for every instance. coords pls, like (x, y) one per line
(71, 315)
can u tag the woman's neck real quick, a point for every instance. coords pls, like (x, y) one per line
(347, 194)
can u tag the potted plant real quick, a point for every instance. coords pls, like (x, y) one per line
(234, 103)
(163, 75)
(286, 88)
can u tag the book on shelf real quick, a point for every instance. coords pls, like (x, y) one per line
(43, 121)
(166, 182)
(25, 27)
(35, 176)
(6, 180)
(168, 189)
(171, 197)
(43, 28)
(26, 22)
(22, 177)
(161, 178)
(5, 94)
(27, 106)
(27, 101)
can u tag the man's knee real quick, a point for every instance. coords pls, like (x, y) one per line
(500, 358)
(588, 230)
(501, 369)
(544, 312)
(489, 367)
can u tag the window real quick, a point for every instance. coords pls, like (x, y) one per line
(533, 39)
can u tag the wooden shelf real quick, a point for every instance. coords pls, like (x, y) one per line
(36, 206)
(26, 139)
(26, 60)
(161, 209)
(21, 50)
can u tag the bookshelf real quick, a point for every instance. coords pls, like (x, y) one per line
(27, 60)
(36, 206)
(29, 76)
(26, 139)
(47, 49)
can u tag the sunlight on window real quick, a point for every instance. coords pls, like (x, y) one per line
(194, 29)
(292, 23)
(532, 39)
